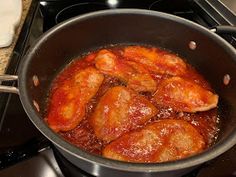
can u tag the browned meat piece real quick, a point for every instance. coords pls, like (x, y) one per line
(183, 95)
(67, 104)
(108, 63)
(165, 140)
(151, 59)
(140, 80)
(132, 73)
(118, 111)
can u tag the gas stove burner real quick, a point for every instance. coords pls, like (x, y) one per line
(162, 5)
(78, 9)
(67, 168)
(155, 4)
(180, 9)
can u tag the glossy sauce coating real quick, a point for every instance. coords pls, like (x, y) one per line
(164, 140)
(69, 100)
(183, 95)
(120, 110)
(140, 73)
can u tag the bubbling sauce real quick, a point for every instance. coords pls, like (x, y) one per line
(83, 135)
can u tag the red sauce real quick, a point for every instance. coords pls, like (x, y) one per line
(83, 135)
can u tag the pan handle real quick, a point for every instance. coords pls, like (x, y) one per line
(224, 29)
(8, 89)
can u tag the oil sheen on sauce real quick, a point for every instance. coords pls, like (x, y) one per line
(83, 135)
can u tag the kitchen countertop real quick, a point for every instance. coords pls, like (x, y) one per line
(5, 53)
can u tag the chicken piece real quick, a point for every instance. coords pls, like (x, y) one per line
(140, 80)
(132, 73)
(118, 111)
(108, 63)
(183, 95)
(160, 63)
(68, 102)
(165, 140)
(142, 83)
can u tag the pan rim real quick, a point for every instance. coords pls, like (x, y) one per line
(195, 160)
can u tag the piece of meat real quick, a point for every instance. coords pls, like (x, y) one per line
(142, 83)
(118, 111)
(68, 102)
(140, 80)
(108, 63)
(159, 63)
(165, 140)
(183, 95)
(135, 76)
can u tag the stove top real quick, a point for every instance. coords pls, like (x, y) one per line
(24, 151)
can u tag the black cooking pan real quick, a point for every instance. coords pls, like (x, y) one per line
(207, 52)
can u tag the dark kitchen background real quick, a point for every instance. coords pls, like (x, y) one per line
(24, 151)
